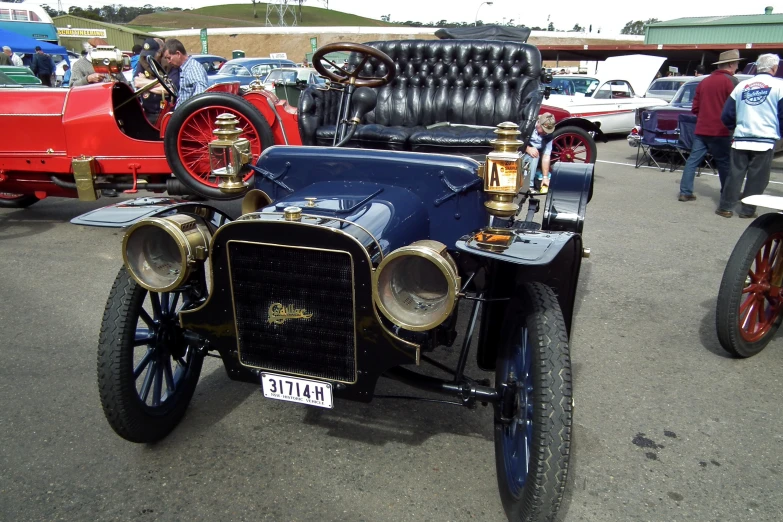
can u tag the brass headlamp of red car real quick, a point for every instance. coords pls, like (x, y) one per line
(228, 155)
(107, 59)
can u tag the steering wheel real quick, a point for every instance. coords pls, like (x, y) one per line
(341, 75)
(157, 72)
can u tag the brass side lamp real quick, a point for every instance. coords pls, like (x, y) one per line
(503, 177)
(228, 155)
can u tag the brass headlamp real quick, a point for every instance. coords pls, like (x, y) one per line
(228, 155)
(107, 59)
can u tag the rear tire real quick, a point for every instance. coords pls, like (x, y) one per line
(533, 421)
(189, 133)
(9, 200)
(748, 311)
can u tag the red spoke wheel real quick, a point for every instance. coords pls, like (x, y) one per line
(749, 305)
(11, 200)
(190, 131)
(573, 145)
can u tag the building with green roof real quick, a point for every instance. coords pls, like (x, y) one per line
(74, 31)
(707, 30)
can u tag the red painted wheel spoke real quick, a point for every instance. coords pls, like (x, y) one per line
(570, 148)
(195, 135)
(750, 320)
(745, 306)
(763, 303)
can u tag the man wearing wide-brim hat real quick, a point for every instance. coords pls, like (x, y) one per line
(710, 133)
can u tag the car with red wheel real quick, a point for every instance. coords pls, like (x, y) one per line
(574, 138)
(75, 143)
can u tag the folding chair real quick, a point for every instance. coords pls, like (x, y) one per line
(657, 144)
(687, 126)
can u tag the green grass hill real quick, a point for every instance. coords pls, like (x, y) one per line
(241, 15)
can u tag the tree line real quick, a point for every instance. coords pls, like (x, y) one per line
(113, 14)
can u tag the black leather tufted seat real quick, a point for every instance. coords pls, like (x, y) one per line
(476, 83)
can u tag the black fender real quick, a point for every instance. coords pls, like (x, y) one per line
(570, 189)
(584, 124)
(552, 258)
(126, 213)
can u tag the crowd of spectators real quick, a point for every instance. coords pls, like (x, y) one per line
(185, 74)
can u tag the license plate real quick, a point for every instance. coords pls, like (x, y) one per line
(293, 389)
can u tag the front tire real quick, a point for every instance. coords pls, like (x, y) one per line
(533, 421)
(147, 368)
(748, 312)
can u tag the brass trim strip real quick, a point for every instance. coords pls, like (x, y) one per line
(353, 311)
(249, 216)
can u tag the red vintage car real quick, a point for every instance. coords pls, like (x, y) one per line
(74, 143)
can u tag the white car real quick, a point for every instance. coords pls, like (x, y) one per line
(293, 75)
(608, 98)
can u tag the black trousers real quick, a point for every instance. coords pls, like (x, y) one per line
(46, 79)
(754, 164)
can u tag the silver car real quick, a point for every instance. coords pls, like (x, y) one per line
(665, 88)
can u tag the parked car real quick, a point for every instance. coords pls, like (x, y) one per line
(293, 75)
(211, 62)
(245, 70)
(608, 99)
(7, 81)
(60, 63)
(21, 75)
(97, 137)
(348, 265)
(666, 88)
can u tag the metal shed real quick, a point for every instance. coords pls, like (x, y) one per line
(742, 29)
(73, 31)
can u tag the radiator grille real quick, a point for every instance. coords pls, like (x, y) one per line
(304, 281)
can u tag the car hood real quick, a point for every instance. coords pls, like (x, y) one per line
(579, 104)
(637, 69)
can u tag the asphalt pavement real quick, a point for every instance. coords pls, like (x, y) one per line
(667, 426)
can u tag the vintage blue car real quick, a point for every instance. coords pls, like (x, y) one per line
(348, 265)
(245, 70)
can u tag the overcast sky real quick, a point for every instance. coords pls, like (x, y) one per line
(562, 13)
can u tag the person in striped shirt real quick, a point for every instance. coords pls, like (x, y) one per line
(193, 77)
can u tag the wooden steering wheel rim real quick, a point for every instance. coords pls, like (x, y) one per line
(352, 47)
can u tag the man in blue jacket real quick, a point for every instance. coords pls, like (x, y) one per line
(43, 66)
(754, 110)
